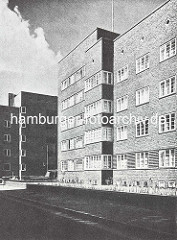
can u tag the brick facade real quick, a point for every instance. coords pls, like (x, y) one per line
(135, 60)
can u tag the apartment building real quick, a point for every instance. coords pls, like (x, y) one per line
(120, 76)
(145, 70)
(86, 90)
(9, 148)
(31, 119)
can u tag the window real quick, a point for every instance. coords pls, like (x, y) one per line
(71, 101)
(79, 142)
(92, 162)
(100, 77)
(64, 145)
(71, 165)
(23, 138)
(142, 160)
(23, 125)
(22, 109)
(7, 138)
(107, 78)
(122, 161)
(167, 122)
(168, 50)
(142, 128)
(107, 161)
(142, 63)
(79, 119)
(167, 87)
(64, 166)
(167, 158)
(78, 164)
(122, 103)
(107, 134)
(122, 74)
(64, 84)
(107, 106)
(23, 153)
(7, 124)
(64, 104)
(23, 167)
(79, 97)
(71, 122)
(142, 96)
(63, 125)
(73, 78)
(122, 133)
(6, 167)
(93, 109)
(7, 152)
(71, 144)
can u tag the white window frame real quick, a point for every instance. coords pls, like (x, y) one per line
(143, 129)
(23, 152)
(23, 138)
(71, 144)
(167, 126)
(7, 124)
(122, 133)
(122, 162)
(7, 153)
(142, 63)
(64, 166)
(93, 162)
(107, 78)
(167, 87)
(7, 138)
(64, 145)
(23, 109)
(79, 142)
(163, 49)
(122, 74)
(107, 162)
(170, 160)
(143, 158)
(142, 96)
(71, 165)
(122, 103)
(23, 167)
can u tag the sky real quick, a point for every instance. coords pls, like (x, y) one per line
(36, 34)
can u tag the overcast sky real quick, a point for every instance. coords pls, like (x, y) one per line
(34, 36)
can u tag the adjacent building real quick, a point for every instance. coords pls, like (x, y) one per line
(33, 129)
(130, 78)
(9, 138)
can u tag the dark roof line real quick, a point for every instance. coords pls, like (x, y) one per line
(82, 42)
(141, 20)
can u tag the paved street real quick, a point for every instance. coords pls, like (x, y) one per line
(44, 216)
